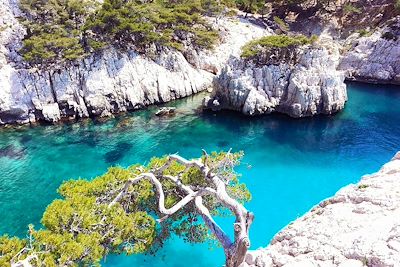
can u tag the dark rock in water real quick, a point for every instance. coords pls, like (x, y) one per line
(12, 152)
(26, 138)
(118, 153)
(14, 115)
(126, 122)
(222, 143)
(102, 120)
(90, 140)
(165, 111)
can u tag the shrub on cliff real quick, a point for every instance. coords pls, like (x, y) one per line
(283, 26)
(250, 6)
(65, 30)
(135, 210)
(54, 30)
(160, 23)
(275, 48)
(349, 9)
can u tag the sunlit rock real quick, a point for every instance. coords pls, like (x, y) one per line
(359, 226)
(305, 87)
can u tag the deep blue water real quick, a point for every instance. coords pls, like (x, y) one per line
(295, 162)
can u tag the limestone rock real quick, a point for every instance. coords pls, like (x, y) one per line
(375, 58)
(359, 226)
(308, 87)
(47, 112)
(112, 82)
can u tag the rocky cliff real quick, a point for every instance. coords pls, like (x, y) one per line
(374, 58)
(314, 84)
(357, 227)
(113, 82)
(310, 85)
(108, 83)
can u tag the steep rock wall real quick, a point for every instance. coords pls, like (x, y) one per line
(374, 58)
(304, 88)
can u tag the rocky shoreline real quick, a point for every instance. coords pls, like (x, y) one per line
(374, 58)
(310, 86)
(357, 227)
(108, 83)
(113, 82)
(314, 84)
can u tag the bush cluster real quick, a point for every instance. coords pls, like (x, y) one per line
(59, 31)
(266, 44)
(83, 226)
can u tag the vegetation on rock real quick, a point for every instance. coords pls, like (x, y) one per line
(275, 48)
(364, 32)
(135, 210)
(281, 24)
(65, 30)
(350, 9)
(251, 6)
(54, 30)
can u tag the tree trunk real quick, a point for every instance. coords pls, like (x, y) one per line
(236, 254)
(235, 251)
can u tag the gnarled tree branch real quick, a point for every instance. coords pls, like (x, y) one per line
(235, 250)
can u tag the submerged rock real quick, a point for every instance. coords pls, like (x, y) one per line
(307, 86)
(359, 226)
(12, 152)
(375, 58)
(165, 111)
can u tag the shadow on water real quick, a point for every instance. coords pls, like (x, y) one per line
(306, 134)
(369, 114)
(114, 156)
(223, 144)
(388, 90)
(26, 139)
(12, 152)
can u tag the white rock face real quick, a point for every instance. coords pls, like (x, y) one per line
(375, 58)
(308, 87)
(109, 83)
(359, 226)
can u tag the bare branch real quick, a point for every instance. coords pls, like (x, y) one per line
(161, 195)
(222, 237)
(218, 177)
(187, 163)
(25, 262)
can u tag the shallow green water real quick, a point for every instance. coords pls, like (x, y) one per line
(295, 163)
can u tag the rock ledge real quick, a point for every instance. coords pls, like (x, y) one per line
(359, 226)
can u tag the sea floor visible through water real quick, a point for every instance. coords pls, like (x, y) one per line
(290, 164)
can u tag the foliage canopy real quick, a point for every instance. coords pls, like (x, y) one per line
(60, 31)
(267, 44)
(87, 223)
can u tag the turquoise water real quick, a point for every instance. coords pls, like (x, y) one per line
(295, 163)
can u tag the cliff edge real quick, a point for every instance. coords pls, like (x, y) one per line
(357, 227)
(300, 82)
